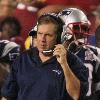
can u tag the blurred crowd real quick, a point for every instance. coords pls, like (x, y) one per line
(21, 15)
(18, 17)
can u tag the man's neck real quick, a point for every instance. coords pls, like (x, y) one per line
(44, 57)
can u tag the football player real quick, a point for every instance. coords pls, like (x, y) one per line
(74, 36)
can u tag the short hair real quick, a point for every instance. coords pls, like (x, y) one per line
(52, 18)
(13, 23)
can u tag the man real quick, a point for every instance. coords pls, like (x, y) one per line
(75, 34)
(8, 53)
(10, 30)
(40, 74)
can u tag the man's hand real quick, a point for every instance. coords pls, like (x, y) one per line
(60, 53)
(73, 89)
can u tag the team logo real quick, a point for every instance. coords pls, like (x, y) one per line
(68, 12)
(89, 56)
(57, 71)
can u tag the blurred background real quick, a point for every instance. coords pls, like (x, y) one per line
(21, 15)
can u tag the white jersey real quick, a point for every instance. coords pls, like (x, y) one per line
(90, 56)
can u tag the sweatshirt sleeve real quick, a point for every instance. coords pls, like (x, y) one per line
(80, 71)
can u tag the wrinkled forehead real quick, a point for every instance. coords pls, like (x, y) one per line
(49, 27)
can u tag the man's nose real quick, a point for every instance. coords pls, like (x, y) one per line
(43, 38)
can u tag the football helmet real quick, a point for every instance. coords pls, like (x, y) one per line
(76, 23)
(8, 51)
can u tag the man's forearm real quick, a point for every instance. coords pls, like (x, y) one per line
(72, 82)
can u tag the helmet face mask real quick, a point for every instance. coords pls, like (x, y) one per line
(78, 30)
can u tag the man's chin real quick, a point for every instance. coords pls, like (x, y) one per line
(41, 50)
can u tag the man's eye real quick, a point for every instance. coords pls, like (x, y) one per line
(39, 33)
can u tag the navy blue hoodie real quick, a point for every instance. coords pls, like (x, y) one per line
(32, 79)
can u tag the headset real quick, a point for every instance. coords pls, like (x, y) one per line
(60, 23)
